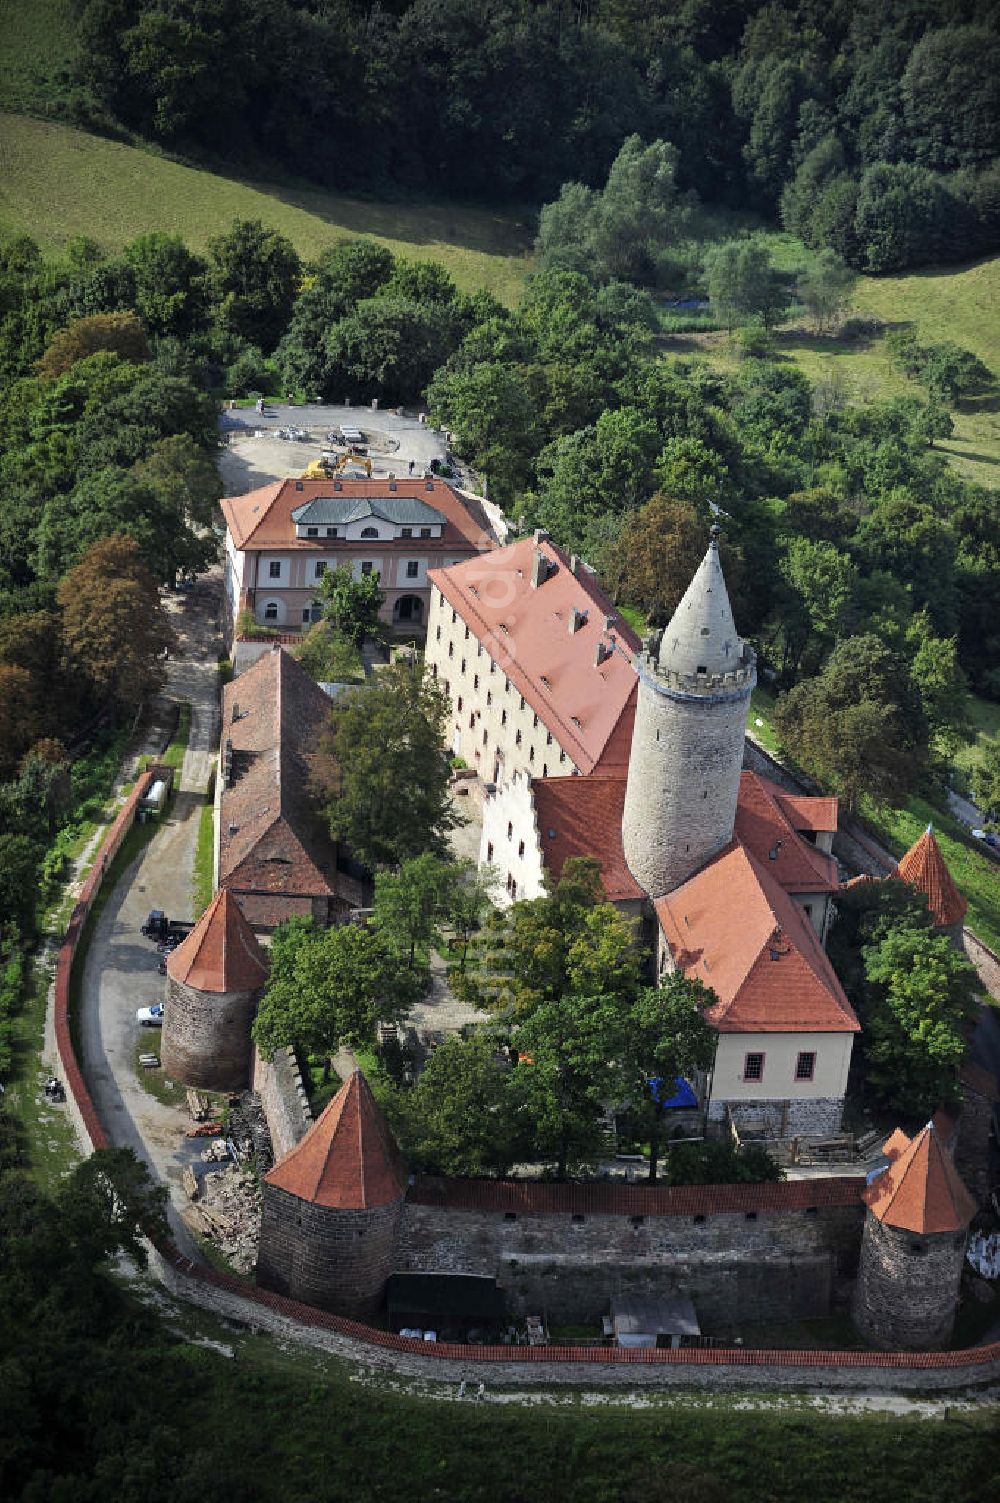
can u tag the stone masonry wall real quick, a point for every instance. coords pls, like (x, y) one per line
(283, 1097)
(907, 1289)
(338, 1260)
(683, 781)
(206, 1037)
(821, 1118)
(738, 1267)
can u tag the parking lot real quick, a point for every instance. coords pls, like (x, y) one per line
(254, 454)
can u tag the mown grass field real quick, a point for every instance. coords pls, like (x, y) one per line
(37, 46)
(57, 182)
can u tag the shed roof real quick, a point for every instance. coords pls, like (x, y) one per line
(348, 1160)
(221, 954)
(645, 1315)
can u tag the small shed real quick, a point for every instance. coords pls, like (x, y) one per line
(646, 1321)
(452, 1304)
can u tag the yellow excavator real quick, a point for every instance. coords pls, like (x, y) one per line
(325, 469)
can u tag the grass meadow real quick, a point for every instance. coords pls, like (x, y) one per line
(57, 182)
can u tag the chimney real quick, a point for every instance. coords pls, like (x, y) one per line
(575, 620)
(541, 536)
(601, 654)
(574, 563)
(236, 712)
(539, 568)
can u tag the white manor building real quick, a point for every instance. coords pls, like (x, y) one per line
(729, 876)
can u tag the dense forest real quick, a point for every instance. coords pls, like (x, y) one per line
(874, 130)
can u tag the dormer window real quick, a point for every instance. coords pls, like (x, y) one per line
(333, 532)
(369, 532)
(425, 532)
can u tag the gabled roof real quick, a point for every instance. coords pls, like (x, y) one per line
(221, 954)
(272, 837)
(526, 629)
(401, 511)
(701, 636)
(348, 1160)
(583, 817)
(263, 518)
(806, 812)
(920, 1191)
(764, 825)
(924, 868)
(733, 927)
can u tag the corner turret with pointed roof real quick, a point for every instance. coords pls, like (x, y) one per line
(913, 1245)
(333, 1206)
(214, 982)
(925, 869)
(687, 745)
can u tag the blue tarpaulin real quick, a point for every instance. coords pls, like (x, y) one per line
(683, 1095)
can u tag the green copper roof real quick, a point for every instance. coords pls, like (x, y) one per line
(401, 511)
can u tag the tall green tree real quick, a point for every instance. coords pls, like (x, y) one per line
(385, 776)
(353, 606)
(254, 274)
(666, 1037)
(461, 1118)
(742, 283)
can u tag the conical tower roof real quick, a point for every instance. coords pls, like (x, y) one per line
(701, 635)
(924, 868)
(221, 954)
(348, 1159)
(921, 1191)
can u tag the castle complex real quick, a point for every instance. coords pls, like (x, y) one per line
(730, 879)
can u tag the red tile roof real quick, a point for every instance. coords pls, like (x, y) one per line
(348, 1159)
(534, 1197)
(273, 839)
(734, 928)
(921, 1191)
(221, 954)
(924, 868)
(263, 518)
(765, 823)
(526, 630)
(583, 817)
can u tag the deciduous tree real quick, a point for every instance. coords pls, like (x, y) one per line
(120, 334)
(114, 626)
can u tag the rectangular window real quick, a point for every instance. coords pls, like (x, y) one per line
(306, 613)
(367, 567)
(412, 569)
(312, 532)
(407, 532)
(753, 1067)
(425, 532)
(489, 851)
(274, 570)
(805, 1065)
(320, 569)
(333, 532)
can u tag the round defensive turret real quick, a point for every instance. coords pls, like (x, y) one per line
(214, 983)
(332, 1208)
(913, 1246)
(687, 745)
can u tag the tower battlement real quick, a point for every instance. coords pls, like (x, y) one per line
(698, 685)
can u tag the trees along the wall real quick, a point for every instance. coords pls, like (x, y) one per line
(666, 1037)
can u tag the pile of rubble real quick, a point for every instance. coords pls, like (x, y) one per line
(246, 1127)
(228, 1211)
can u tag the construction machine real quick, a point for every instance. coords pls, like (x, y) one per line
(328, 466)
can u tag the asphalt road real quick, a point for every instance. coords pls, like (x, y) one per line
(121, 969)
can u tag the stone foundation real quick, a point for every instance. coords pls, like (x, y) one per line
(818, 1118)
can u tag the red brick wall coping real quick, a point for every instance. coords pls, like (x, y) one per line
(604, 1198)
(474, 1194)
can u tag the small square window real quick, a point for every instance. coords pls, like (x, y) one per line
(805, 1066)
(312, 532)
(333, 532)
(274, 570)
(406, 532)
(425, 532)
(753, 1067)
(412, 569)
(367, 567)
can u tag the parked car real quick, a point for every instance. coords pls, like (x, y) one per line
(150, 1017)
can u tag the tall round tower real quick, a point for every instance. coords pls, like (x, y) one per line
(214, 982)
(332, 1208)
(687, 745)
(913, 1246)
